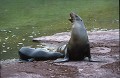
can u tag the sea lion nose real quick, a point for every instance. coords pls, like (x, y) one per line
(72, 13)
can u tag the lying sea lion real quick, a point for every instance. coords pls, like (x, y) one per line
(31, 54)
(78, 46)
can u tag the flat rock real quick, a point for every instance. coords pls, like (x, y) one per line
(93, 36)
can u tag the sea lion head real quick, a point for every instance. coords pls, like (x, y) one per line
(74, 17)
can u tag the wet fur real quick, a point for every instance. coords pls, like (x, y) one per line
(31, 54)
(78, 46)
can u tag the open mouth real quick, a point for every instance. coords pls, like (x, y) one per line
(71, 17)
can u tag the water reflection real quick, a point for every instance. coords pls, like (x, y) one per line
(23, 39)
(4, 51)
(4, 30)
(17, 28)
(30, 36)
(8, 47)
(20, 43)
(13, 35)
(3, 46)
(9, 31)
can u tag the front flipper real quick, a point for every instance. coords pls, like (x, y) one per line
(61, 60)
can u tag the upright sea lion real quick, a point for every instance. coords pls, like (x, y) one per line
(78, 46)
(30, 54)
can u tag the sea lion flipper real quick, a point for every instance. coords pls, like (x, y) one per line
(66, 58)
(60, 60)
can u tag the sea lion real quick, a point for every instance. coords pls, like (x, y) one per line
(31, 54)
(61, 49)
(78, 46)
